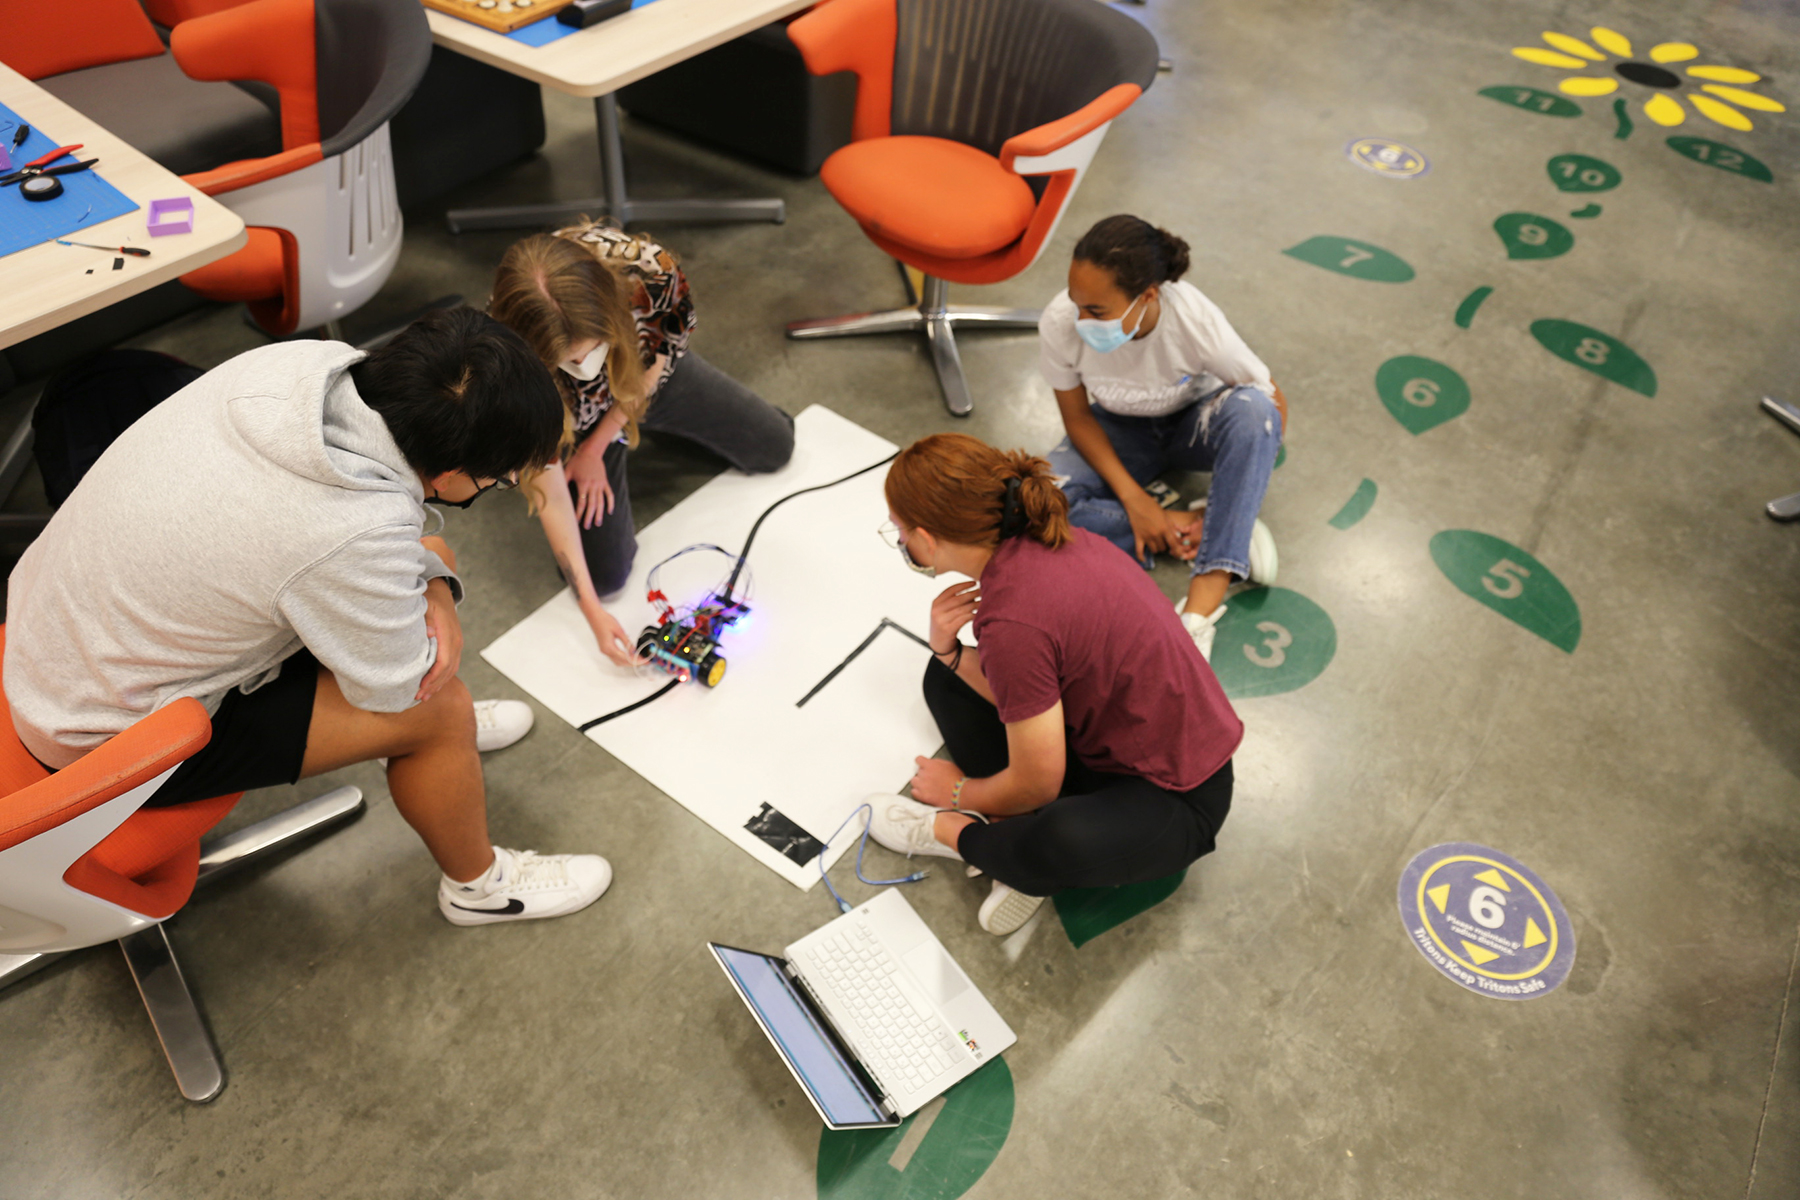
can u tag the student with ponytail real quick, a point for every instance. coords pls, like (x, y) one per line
(1090, 745)
(1150, 377)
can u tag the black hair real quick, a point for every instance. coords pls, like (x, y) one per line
(1134, 252)
(462, 392)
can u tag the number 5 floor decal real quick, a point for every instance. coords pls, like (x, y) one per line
(1509, 581)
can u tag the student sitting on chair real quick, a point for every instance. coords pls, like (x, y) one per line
(609, 313)
(256, 542)
(1150, 376)
(1090, 745)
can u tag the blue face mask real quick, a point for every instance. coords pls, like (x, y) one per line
(1107, 336)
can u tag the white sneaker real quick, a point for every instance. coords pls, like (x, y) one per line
(523, 885)
(500, 723)
(1006, 909)
(1264, 564)
(905, 826)
(1200, 628)
(1263, 561)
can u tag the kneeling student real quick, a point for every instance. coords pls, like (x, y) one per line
(1090, 742)
(256, 542)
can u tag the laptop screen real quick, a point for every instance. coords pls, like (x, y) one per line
(810, 1050)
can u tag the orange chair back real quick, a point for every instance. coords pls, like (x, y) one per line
(39, 38)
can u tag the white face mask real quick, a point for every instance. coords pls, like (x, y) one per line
(589, 367)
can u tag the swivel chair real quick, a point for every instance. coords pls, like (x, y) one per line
(315, 185)
(975, 121)
(83, 862)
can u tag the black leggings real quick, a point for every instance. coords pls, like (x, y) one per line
(1101, 831)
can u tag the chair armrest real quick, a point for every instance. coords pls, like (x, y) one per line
(170, 13)
(859, 36)
(126, 760)
(268, 40)
(1033, 152)
(246, 171)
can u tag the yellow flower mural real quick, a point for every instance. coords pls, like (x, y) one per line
(1712, 90)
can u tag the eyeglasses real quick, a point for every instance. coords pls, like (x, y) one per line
(890, 533)
(505, 483)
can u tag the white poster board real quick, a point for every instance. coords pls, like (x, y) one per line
(821, 582)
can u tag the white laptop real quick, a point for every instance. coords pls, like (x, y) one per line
(870, 1013)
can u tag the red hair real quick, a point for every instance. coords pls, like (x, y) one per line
(956, 487)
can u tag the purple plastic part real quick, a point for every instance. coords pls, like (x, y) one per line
(170, 216)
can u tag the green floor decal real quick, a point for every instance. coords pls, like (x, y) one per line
(1527, 235)
(1465, 312)
(1717, 154)
(1271, 640)
(1586, 212)
(1359, 260)
(1601, 353)
(1089, 912)
(1624, 127)
(1579, 173)
(1421, 393)
(963, 1140)
(1509, 581)
(1356, 507)
(1545, 104)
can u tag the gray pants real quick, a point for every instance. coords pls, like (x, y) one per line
(708, 407)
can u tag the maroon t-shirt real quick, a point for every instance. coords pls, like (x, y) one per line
(1085, 625)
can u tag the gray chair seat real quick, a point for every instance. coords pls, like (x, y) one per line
(183, 124)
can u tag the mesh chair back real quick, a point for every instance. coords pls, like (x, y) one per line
(981, 71)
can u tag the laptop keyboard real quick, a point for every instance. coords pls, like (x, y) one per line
(903, 1042)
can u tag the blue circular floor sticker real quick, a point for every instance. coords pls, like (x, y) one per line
(1487, 921)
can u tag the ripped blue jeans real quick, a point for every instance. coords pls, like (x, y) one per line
(1234, 433)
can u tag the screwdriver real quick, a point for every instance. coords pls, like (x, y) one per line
(134, 251)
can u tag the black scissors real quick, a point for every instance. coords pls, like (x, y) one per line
(40, 166)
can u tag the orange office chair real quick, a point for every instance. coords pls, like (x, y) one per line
(975, 120)
(83, 862)
(316, 186)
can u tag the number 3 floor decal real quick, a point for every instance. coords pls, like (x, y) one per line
(1271, 640)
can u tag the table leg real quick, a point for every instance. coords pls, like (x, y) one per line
(617, 203)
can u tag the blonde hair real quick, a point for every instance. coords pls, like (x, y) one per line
(554, 293)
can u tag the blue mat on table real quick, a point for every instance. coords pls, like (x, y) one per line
(542, 33)
(86, 200)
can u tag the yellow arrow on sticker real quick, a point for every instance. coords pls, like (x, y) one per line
(1533, 935)
(1440, 895)
(1477, 954)
(1492, 876)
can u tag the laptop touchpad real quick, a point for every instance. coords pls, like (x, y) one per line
(936, 972)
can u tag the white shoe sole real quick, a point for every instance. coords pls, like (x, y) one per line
(1264, 563)
(1012, 910)
(458, 914)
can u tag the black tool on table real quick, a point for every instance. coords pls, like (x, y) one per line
(40, 166)
(19, 136)
(582, 13)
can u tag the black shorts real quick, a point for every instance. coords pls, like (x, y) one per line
(258, 740)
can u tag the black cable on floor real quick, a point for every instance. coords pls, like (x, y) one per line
(731, 583)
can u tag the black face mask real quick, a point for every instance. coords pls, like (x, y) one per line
(476, 495)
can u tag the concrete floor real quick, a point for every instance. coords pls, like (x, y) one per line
(1268, 1031)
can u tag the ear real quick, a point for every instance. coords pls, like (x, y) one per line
(435, 484)
(924, 542)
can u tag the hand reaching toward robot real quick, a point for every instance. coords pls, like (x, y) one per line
(615, 643)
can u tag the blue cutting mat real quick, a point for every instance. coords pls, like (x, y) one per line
(87, 199)
(542, 33)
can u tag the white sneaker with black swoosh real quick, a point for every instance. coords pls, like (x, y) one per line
(523, 885)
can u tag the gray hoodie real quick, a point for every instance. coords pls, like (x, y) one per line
(261, 508)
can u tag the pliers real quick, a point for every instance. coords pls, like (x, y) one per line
(39, 166)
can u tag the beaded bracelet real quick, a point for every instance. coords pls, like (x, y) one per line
(956, 793)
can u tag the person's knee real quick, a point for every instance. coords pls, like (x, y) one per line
(1252, 413)
(773, 448)
(610, 577)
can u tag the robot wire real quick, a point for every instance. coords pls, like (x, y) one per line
(863, 844)
(726, 593)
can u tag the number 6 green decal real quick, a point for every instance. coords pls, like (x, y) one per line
(1511, 582)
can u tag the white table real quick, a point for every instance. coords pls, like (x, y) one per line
(42, 287)
(595, 63)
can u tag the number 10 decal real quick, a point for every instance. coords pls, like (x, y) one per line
(1511, 582)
